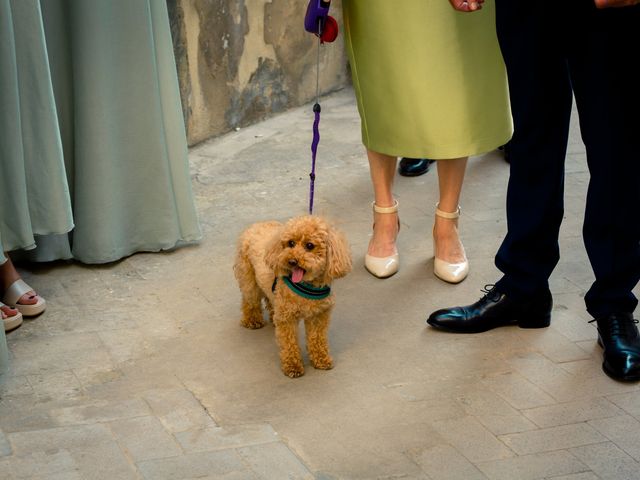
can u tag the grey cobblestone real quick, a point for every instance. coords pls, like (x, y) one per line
(467, 435)
(178, 410)
(623, 431)
(531, 467)
(629, 402)
(608, 462)
(572, 412)
(274, 461)
(553, 438)
(5, 448)
(100, 412)
(64, 437)
(443, 462)
(104, 462)
(144, 438)
(194, 465)
(55, 462)
(217, 438)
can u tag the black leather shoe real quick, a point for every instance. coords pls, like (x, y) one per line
(413, 167)
(494, 310)
(618, 336)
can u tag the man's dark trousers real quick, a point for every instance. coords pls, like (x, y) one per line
(552, 48)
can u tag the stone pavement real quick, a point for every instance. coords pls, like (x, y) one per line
(140, 369)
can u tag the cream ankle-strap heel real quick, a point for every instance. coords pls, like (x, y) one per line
(449, 272)
(383, 267)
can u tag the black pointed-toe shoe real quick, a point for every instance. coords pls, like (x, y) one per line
(413, 167)
(495, 309)
(618, 336)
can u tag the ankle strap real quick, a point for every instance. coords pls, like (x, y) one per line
(449, 215)
(392, 209)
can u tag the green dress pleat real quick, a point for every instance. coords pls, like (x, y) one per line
(121, 124)
(429, 81)
(34, 196)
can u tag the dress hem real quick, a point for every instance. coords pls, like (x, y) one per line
(443, 153)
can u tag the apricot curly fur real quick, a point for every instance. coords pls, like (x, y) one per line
(267, 250)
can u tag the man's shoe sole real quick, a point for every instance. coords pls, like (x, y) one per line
(543, 322)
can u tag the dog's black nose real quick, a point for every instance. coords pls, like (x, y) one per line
(293, 262)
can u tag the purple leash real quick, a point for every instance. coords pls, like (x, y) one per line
(314, 151)
(318, 21)
(316, 129)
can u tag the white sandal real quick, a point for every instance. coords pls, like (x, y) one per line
(383, 267)
(11, 322)
(449, 272)
(13, 294)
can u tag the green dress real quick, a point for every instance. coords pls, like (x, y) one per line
(123, 184)
(429, 81)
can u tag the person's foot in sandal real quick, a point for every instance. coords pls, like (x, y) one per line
(11, 318)
(18, 294)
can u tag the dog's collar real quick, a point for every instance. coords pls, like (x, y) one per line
(304, 289)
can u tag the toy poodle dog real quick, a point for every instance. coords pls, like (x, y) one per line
(291, 266)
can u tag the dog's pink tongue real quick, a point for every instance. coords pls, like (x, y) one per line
(297, 274)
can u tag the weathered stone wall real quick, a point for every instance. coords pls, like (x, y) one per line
(240, 61)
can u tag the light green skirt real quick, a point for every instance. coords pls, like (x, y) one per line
(430, 82)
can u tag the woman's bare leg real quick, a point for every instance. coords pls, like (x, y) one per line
(445, 231)
(385, 231)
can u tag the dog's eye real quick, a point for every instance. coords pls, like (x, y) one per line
(309, 246)
(291, 243)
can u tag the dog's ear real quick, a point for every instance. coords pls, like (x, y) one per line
(272, 252)
(338, 254)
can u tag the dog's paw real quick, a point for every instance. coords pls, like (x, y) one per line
(252, 323)
(293, 371)
(325, 363)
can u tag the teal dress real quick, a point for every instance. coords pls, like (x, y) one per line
(34, 196)
(119, 125)
(122, 130)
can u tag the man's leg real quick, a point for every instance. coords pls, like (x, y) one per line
(533, 46)
(604, 71)
(604, 65)
(531, 41)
